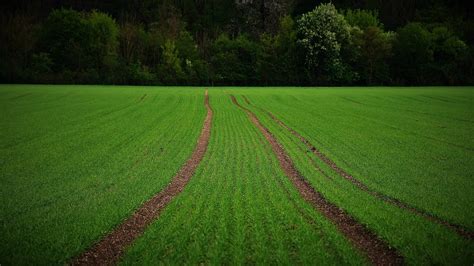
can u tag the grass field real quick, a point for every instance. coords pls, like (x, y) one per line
(77, 160)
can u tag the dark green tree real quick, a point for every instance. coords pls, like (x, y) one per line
(66, 36)
(196, 70)
(413, 57)
(278, 62)
(233, 61)
(372, 46)
(450, 55)
(103, 43)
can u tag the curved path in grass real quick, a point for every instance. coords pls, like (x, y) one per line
(462, 231)
(377, 250)
(110, 248)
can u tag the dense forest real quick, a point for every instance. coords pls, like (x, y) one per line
(237, 42)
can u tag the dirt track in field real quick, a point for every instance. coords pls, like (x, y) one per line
(376, 250)
(341, 172)
(110, 248)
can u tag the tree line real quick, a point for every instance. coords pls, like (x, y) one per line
(241, 42)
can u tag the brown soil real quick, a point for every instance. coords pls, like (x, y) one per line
(376, 250)
(109, 249)
(457, 228)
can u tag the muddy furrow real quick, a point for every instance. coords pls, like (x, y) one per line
(110, 248)
(460, 230)
(376, 250)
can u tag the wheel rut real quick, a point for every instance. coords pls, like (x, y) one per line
(460, 230)
(377, 251)
(111, 247)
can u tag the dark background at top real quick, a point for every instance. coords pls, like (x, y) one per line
(393, 13)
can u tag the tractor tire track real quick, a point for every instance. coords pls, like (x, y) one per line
(377, 251)
(110, 248)
(460, 230)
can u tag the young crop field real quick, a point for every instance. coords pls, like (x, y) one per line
(183, 175)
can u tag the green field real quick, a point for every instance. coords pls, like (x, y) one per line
(77, 160)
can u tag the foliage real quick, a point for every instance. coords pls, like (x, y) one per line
(171, 64)
(278, 60)
(84, 45)
(138, 74)
(40, 68)
(372, 46)
(195, 69)
(66, 37)
(233, 60)
(132, 43)
(323, 33)
(104, 42)
(413, 54)
(450, 56)
(175, 42)
(434, 56)
(362, 18)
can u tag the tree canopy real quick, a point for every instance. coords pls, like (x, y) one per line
(235, 42)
